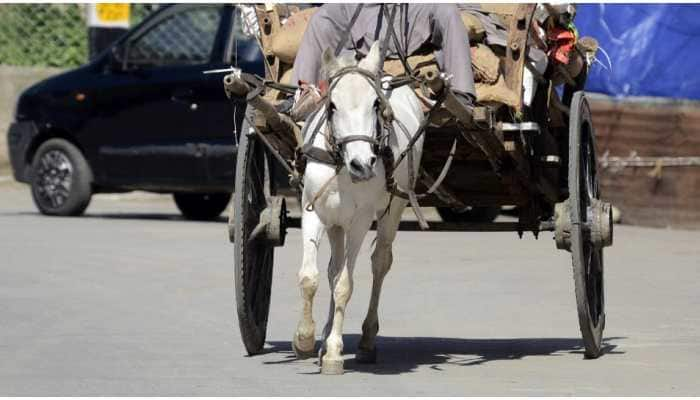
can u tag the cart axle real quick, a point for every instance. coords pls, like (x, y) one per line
(598, 226)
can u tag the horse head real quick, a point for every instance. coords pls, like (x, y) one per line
(353, 100)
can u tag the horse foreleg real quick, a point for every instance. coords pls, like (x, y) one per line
(342, 284)
(304, 341)
(336, 237)
(381, 263)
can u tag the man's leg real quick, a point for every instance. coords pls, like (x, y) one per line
(319, 35)
(454, 56)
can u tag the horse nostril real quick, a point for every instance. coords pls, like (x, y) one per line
(372, 161)
(355, 165)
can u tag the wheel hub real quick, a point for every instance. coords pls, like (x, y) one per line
(54, 177)
(601, 225)
(598, 228)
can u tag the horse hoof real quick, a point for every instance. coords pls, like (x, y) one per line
(332, 367)
(303, 354)
(364, 356)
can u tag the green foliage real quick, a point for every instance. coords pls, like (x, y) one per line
(49, 35)
(43, 35)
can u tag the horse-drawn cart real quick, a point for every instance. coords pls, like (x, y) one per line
(532, 147)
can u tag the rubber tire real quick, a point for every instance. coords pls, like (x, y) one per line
(253, 260)
(201, 206)
(80, 192)
(475, 214)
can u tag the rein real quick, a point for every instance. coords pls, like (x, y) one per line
(378, 141)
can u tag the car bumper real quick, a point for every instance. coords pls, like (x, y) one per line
(19, 137)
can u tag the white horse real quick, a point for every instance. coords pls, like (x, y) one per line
(346, 198)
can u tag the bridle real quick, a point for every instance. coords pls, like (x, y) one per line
(378, 141)
(380, 138)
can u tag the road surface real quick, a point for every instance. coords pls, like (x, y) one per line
(132, 300)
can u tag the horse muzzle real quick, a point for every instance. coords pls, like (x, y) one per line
(361, 171)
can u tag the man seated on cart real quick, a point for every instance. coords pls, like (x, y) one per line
(417, 26)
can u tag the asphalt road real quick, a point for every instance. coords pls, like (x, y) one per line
(132, 300)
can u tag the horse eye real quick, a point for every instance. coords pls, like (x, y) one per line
(377, 103)
(331, 106)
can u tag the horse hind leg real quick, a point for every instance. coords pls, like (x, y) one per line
(304, 342)
(382, 259)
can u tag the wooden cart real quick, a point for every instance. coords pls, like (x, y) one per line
(539, 158)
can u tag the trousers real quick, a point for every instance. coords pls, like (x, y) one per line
(416, 25)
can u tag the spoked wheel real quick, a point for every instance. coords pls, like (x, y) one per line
(258, 225)
(584, 226)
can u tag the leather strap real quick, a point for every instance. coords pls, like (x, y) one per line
(320, 155)
(346, 34)
(356, 138)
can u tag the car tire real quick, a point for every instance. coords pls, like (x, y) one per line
(201, 206)
(61, 179)
(473, 214)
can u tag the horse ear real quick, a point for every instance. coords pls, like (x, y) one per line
(329, 64)
(372, 61)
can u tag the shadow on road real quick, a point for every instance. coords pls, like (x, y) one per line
(292, 222)
(123, 216)
(398, 355)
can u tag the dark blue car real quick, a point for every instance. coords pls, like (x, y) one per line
(141, 116)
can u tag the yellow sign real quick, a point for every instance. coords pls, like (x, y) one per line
(112, 13)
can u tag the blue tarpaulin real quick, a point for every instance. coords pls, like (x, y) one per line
(654, 49)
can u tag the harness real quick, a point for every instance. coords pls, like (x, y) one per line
(333, 155)
(384, 128)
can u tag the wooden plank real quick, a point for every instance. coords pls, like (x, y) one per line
(670, 197)
(672, 201)
(269, 22)
(514, 62)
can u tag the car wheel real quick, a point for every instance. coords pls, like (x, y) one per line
(472, 214)
(61, 179)
(201, 206)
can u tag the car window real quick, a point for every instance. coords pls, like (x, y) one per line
(244, 45)
(185, 38)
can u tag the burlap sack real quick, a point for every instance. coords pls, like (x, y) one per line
(485, 64)
(496, 93)
(420, 64)
(474, 27)
(285, 43)
(499, 8)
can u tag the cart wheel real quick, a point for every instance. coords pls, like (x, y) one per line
(590, 226)
(253, 255)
